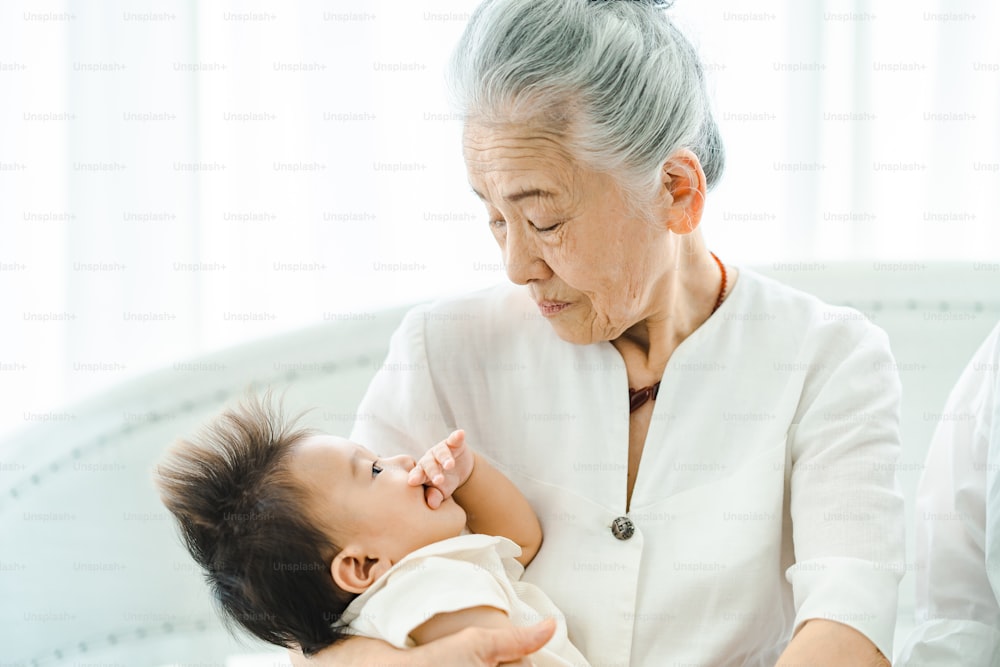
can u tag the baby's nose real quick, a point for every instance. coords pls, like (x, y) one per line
(403, 462)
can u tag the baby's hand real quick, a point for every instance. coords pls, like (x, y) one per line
(445, 467)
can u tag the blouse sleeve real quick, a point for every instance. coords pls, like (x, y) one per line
(424, 589)
(846, 508)
(400, 411)
(957, 612)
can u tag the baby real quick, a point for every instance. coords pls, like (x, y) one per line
(308, 538)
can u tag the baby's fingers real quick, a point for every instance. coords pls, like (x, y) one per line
(443, 455)
(455, 441)
(431, 468)
(433, 497)
(417, 476)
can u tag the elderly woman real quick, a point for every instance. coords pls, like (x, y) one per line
(710, 452)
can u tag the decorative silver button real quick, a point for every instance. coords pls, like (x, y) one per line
(622, 528)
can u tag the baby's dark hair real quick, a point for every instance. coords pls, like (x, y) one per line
(243, 519)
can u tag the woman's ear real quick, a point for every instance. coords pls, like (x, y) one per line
(683, 192)
(354, 571)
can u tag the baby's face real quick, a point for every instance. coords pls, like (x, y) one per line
(366, 499)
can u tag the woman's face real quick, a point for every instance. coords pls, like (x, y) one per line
(593, 266)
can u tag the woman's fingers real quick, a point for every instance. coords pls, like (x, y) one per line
(513, 646)
(482, 647)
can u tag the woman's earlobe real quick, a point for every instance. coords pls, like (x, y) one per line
(354, 572)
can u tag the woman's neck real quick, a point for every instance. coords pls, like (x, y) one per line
(684, 298)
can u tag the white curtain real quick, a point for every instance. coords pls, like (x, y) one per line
(177, 177)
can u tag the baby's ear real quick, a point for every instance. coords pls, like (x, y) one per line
(354, 571)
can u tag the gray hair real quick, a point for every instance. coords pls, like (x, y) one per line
(620, 73)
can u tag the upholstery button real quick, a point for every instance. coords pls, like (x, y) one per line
(622, 528)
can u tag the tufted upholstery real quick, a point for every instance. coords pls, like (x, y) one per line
(91, 571)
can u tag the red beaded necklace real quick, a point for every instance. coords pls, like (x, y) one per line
(639, 397)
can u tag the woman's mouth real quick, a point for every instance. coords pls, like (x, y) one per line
(550, 308)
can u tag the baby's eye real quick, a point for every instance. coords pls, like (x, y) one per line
(376, 468)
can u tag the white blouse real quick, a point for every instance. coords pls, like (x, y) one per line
(958, 526)
(766, 491)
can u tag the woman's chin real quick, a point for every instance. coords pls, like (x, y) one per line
(572, 334)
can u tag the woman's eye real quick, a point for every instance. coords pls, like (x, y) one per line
(500, 224)
(548, 229)
(376, 468)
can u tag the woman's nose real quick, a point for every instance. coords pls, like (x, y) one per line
(520, 259)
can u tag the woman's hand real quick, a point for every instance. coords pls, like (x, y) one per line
(472, 647)
(445, 467)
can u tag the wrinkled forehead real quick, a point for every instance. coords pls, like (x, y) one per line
(490, 142)
(524, 155)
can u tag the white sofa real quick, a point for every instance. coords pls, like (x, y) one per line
(91, 570)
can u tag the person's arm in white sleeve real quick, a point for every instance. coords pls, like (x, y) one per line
(846, 508)
(400, 411)
(957, 612)
(436, 597)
